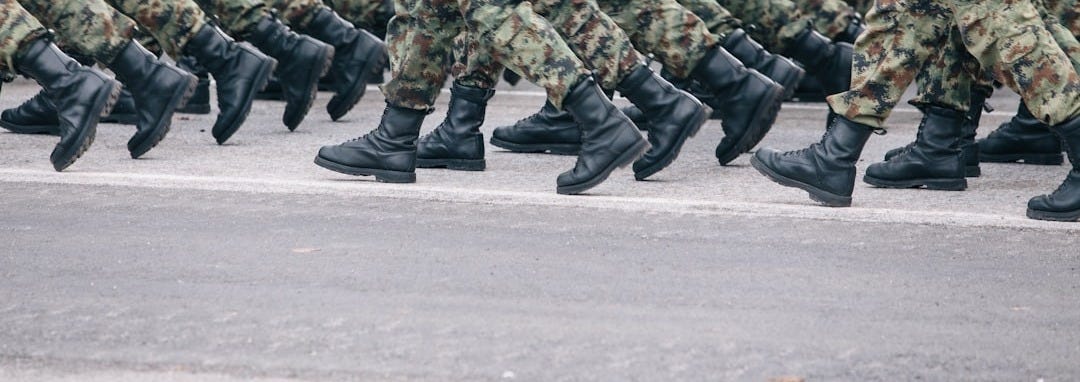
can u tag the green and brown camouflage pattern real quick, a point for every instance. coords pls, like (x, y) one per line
(236, 17)
(673, 34)
(171, 22)
(421, 35)
(89, 27)
(17, 29)
(1008, 36)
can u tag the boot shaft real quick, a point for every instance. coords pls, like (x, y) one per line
(721, 73)
(467, 109)
(46, 64)
(843, 142)
(810, 48)
(327, 26)
(940, 131)
(1069, 132)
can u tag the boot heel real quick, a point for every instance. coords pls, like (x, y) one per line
(394, 176)
(453, 164)
(946, 184)
(1044, 159)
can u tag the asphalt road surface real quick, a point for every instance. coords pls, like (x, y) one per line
(246, 261)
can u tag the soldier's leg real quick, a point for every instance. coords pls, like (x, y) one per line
(1024, 138)
(510, 33)
(183, 29)
(1011, 37)
(946, 96)
(81, 94)
(900, 39)
(96, 29)
(746, 100)
(783, 28)
(359, 56)
(302, 60)
(371, 15)
(673, 115)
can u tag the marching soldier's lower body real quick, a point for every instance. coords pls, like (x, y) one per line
(1024, 139)
(747, 100)
(357, 55)
(80, 94)
(106, 37)
(420, 38)
(1007, 35)
(180, 28)
(674, 114)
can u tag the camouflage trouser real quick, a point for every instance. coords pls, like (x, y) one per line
(1006, 35)
(600, 44)
(421, 35)
(676, 36)
(89, 27)
(17, 27)
(366, 14)
(171, 22)
(238, 17)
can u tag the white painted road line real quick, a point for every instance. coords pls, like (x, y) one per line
(429, 193)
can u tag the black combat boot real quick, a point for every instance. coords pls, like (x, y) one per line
(240, 72)
(35, 116)
(753, 55)
(81, 95)
(302, 60)
(457, 143)
(933, 161)
(969, 152)
(199, 103)
(747, 100)
(674, 116)
(359, 57)
(608, 139)
(388, 152)
(1023, 138)
(1064, 203)
(826, 169)
(157, 88)
(829, 62)
(549, 130)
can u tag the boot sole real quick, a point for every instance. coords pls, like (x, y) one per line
(313, 91)
(180, 97)
(769, 108)
(930, 184)
(385, 176)
(374, 67)
(261, 79)
(1026, 158)
(552, 148)
(453, 164)
(87, 135)
(29, 129)
(624, 159)
(1069, 216)
(691, 130)
(826, 198)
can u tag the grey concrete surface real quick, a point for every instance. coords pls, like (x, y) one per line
(247, 262)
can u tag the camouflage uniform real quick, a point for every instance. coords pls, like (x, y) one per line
(421, 35)
(17, 27)
(589, 32)
(902, 37)
(92, 27)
